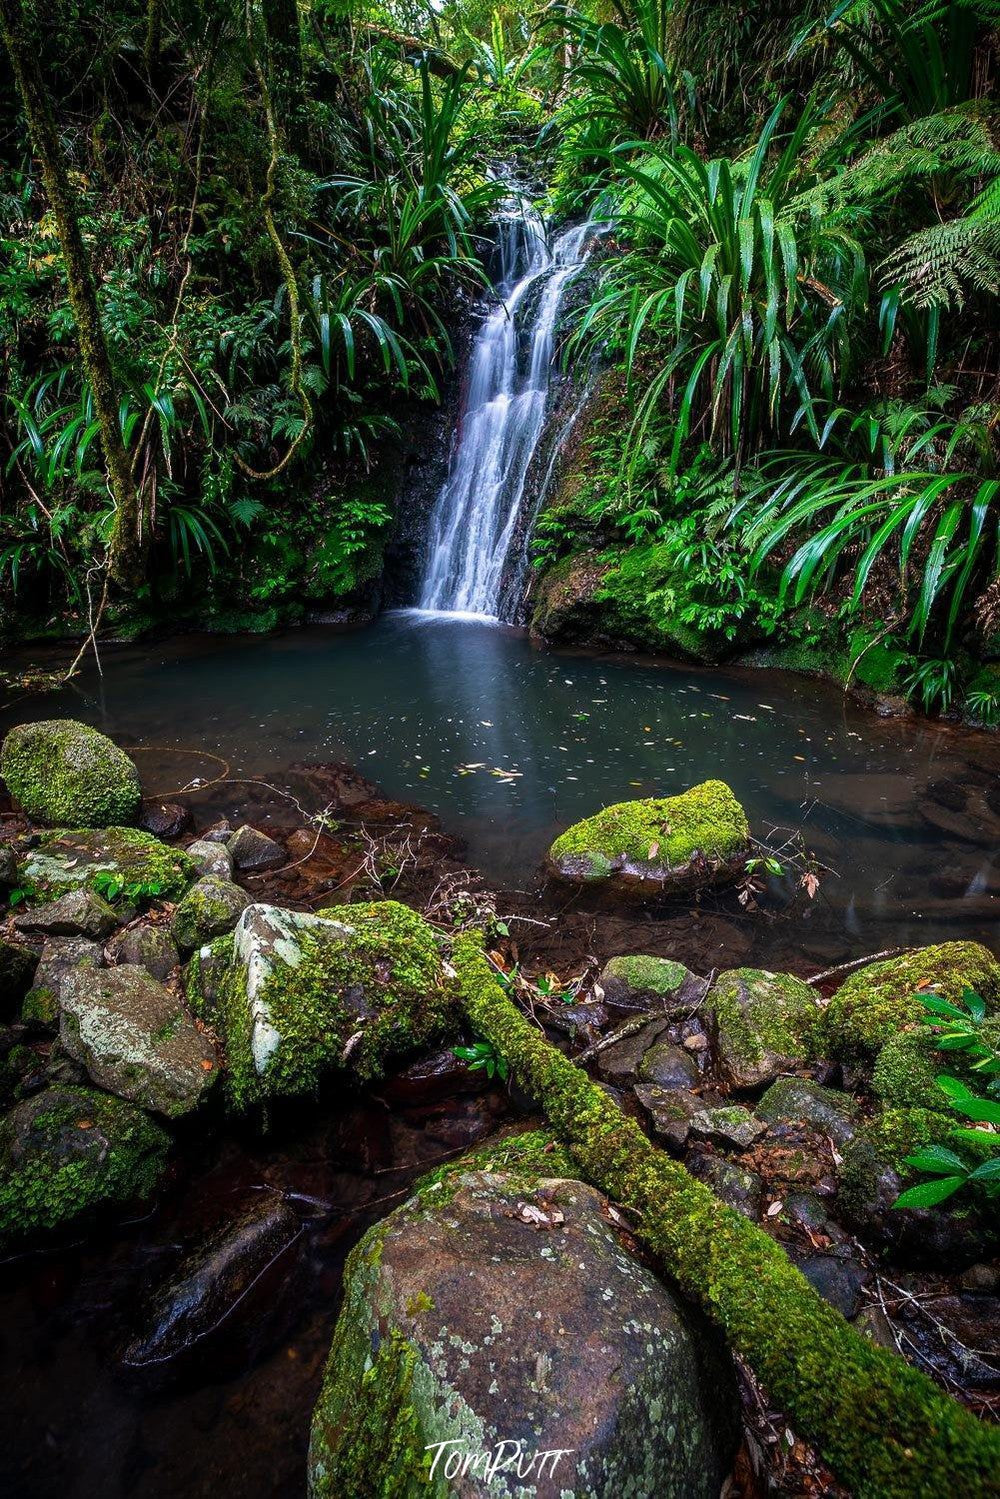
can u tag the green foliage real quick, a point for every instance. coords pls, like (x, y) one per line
(483, 1055)
(961, 1027)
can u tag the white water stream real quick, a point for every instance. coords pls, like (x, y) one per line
(475, 517)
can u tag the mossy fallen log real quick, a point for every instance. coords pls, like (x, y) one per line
(885, 1429)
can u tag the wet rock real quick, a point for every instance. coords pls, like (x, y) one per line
(17, 967)
(166, 820)
(219, 832)
(61, 957)
(583, 1021)
(793, 1101)
(67, 1151)
(477, 1308)
(877, 1001)
(873, 1324)
(212, 1281)
(732, 1184)
(8, 867)
(64, 773)
(668, 1066)
(837, 1278)
(437, 1076)
(135, 1038)
(65, 861)
(251, 849)
(623, 1059)
(210, 858)
(357, 987)
(763, 1022)
(204, 977)
(152, 947)
(78, 913)
(210, 908)
(982, 1280)
(671, 1111)
(730, 1125)
(677, 843)
(21, 1068)
(648, 983)
(807, 1210)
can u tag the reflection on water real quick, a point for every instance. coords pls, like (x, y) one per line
(508, 744)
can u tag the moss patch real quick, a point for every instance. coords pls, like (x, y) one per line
(63, 772)
(65, 1152)
(763, 1021)
(84, 858)
(657, 837)
(876, 1002)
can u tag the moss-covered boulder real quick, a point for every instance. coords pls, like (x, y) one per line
(764, 1024)
(137, 864)
(353, 987)
(877, 1001)
(67, 1151)
(135, 1038)
(642, 982)
(501, 1311)
(675, 843)
(210, 908)
(793, 1102)
(66, 774)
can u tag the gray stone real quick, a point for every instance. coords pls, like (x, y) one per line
(670, 1111)
(730, 1125)
(251, 850)
(164, 819)
(837, 1278)
(734, 1185)
(668, 1066)
(78, 913)
(135, 1038)
(212, 1280)
(211, 908)
(763, 1024)
(623, 1059)
(17, 965)
(795, 1100)
(640, 983)
(152, 947)
(210, 858)
(61, 957)
(219, 832)
(520, 1314)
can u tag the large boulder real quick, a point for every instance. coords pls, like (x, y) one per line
(677, 843)
(764, 1024)
(66, 774)
(493, 1320)
(135, 1038)
(355, 986)
(112, 861)
(883, 998)
(67, 1151)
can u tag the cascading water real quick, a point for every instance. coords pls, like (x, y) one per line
(475, 517)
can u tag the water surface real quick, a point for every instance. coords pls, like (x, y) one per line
(509, 743)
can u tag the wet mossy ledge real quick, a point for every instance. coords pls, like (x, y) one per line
(675, 843)
(884, 1428)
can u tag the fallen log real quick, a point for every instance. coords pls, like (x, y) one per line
(885, 1429)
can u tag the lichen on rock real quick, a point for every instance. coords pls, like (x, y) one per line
(678, 843)
(66, 773)
(764, 1024)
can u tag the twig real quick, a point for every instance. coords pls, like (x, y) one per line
(888, 952)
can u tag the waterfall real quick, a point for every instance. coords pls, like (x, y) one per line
(475, 517)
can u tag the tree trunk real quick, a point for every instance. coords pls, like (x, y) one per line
(154, 36)
(283, 26)
(884, 1428)
(18, 30)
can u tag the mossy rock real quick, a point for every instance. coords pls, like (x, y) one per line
(64, 773)
(876, 1002)
(351, 988)
(476, 1319)
(764, 1024)
(677, 843)
(642, 982)
(84, 858)
(210, 908)
(68, 1151)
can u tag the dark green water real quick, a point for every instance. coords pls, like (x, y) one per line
(508, 744)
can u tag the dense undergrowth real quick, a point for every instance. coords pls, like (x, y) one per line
(239, 241)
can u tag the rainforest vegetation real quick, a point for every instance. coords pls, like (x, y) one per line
(241, 242)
